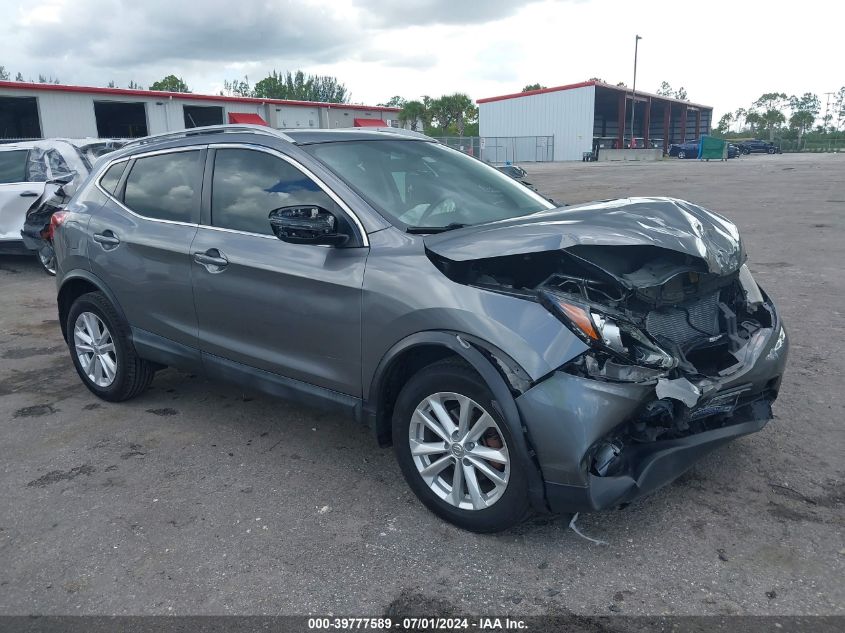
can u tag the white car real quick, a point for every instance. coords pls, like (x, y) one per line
(26, 166)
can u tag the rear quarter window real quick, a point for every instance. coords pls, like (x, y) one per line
(112, 176)
(165, 186)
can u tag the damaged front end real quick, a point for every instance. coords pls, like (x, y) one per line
(684, 351)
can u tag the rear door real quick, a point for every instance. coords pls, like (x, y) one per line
(140, 240)
(290, 309)
(17, 193)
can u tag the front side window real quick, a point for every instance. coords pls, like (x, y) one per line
(426, 185)
(247, 185)
(13, 166)
(165, 186)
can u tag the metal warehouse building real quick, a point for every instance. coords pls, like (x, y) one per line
(587, 115)
(30, 110)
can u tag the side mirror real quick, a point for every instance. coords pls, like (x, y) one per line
(306, 225)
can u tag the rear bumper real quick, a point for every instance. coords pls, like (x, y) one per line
(570, 419)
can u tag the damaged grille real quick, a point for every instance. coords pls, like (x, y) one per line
(686, 323)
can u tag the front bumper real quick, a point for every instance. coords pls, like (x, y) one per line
(568, 416)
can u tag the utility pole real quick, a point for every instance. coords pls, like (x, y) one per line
(634, 89)
(827, 110)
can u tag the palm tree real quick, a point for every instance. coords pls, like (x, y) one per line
(413, 112)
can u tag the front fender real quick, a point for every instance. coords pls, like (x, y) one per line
(481, 357)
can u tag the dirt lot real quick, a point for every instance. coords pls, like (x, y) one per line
(197, 498)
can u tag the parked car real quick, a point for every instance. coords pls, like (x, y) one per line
(756, 146)
(689, 149)
(519, 357)
(26, 167)
(37, 232)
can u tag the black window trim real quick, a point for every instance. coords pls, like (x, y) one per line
(122, 182)
(354, 221)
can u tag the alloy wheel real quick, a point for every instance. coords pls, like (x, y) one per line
(48, 263)
(459, 451)
(95, 349)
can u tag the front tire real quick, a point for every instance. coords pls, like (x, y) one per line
(456, 452)
(682, 154)
(102, 350)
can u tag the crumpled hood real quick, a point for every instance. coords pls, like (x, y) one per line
(664, 222)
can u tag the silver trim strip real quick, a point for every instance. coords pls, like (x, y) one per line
(338, 200)
(138, 215)
(173, 150)
(197, 131)
(248, 233)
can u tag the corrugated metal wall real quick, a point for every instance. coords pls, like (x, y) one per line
(566, 114)
(71, 114)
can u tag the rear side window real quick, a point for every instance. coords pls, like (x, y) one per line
(13, 166)
(165, 186)
(112, 177)
(248, 185)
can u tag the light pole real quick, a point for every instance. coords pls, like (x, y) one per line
(634, 89)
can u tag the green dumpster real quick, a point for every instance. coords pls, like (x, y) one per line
(712, 147)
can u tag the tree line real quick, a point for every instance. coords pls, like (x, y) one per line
(5, 75)
(775, 113)
(449, 115)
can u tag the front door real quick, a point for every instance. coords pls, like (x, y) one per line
(290, 309)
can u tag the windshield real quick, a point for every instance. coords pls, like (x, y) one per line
(421, 184)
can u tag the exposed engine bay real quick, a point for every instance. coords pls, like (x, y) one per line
(657, 317)
(702, 319)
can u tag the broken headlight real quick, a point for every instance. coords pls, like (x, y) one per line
(608, 333)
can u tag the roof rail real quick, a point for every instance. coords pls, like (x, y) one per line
(400, 131)
(213, 129)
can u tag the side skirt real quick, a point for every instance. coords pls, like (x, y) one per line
(172, 354)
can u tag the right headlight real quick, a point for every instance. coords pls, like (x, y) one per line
(608, 333)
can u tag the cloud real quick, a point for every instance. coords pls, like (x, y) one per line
(114, 33)
(425, 12)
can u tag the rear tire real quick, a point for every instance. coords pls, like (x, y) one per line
(480, 503)
(102, 350)
(682, 154)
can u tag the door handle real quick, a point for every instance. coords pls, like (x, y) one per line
(212, 259)
(106, 239)
(29, 194)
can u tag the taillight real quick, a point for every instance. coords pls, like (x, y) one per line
(56, 220)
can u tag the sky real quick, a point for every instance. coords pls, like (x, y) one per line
(725, 53)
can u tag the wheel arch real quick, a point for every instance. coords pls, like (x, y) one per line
(502, 375)
(76, 284)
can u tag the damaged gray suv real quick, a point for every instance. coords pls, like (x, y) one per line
(519, 357)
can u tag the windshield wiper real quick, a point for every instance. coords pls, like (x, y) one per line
(435, 229)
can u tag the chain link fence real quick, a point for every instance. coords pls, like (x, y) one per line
(504, 149)
(812, 145)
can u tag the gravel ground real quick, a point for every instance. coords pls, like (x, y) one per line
(197, 498)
